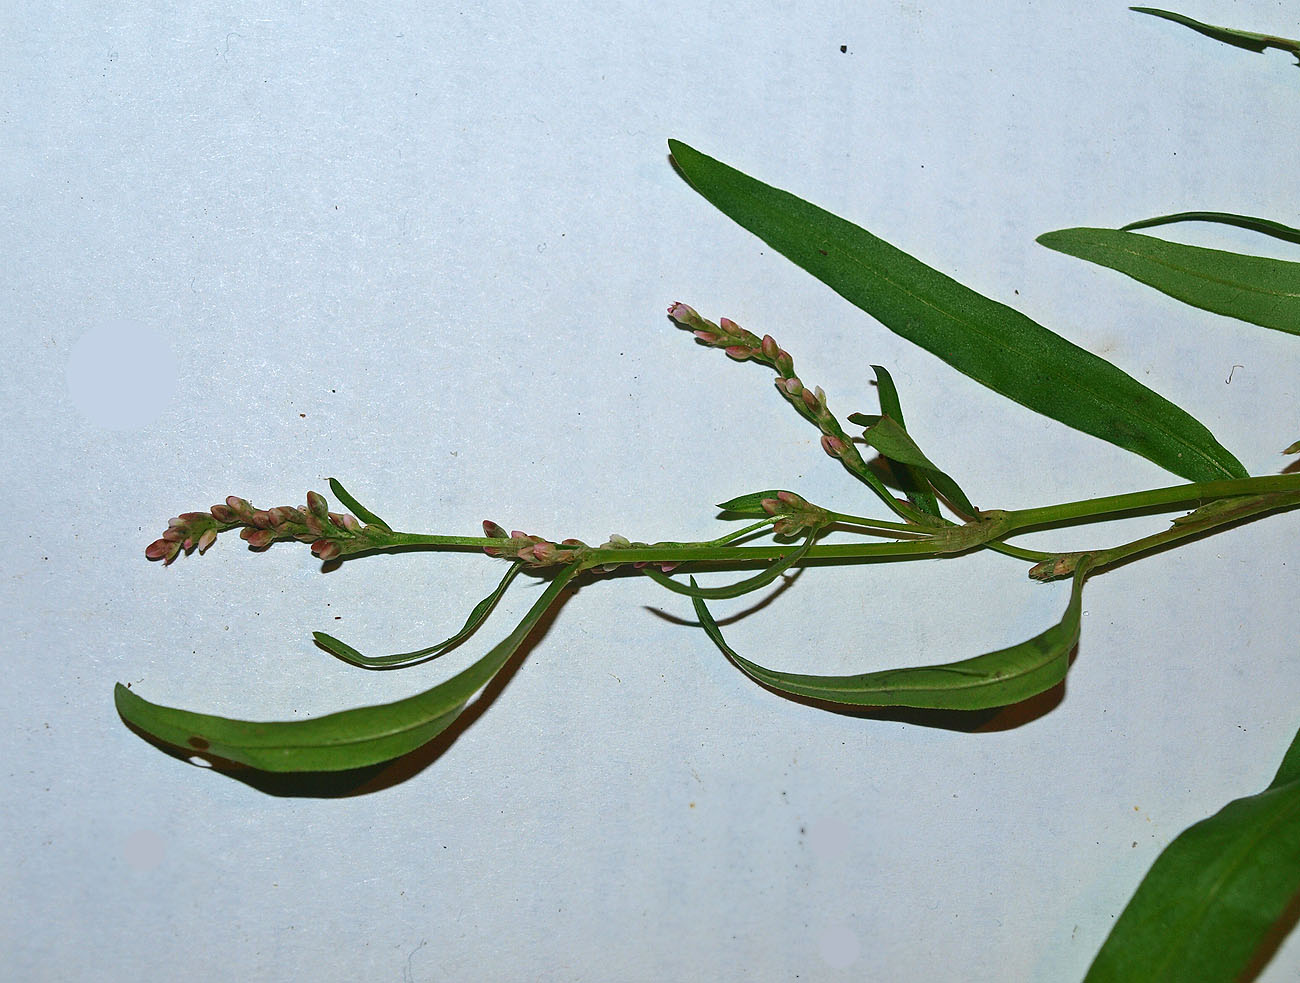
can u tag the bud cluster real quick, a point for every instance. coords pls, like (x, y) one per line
(797, 514)
(534, 551)
(740, 344)
(331, 534)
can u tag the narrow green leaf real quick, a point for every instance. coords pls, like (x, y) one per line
(990, 342)
(337, 741)
(888, 437)
(1240, 39)
(401, 660)
(761, 579)
(1257, 289)
(355, 507)
(1270, 228)
(919, 494)
(996, 679)
(750, 505)
(1215, 893)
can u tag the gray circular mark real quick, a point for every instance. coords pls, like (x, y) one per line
(121, 375)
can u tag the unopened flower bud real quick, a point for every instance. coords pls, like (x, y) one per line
(770, 349)
(159, 548)
(261, 519)
(810, 400)
(739, 352)
(258, 538)
(326, 549)
(317, 505)
(279, 515)
(493, 531)
(684, 314)
(791, 387)
(770, 505)
(832, 445)
(790, 498)
(351, 523)
(708, 337)
(239, 506)
(223, 513)
(207, 539)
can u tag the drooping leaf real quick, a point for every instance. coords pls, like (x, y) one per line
(355, 507)
(888, 437)
(1257, 289)
(992, 680)
(337, 741)
(919, 494)
(1215, 894)
(988, 341)
(481, 610)
(750, 505)
(1240, 39)
(760, 579)
(1267, 226)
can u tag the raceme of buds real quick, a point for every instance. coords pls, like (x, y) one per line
(331, 534)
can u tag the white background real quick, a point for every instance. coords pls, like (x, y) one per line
(427, 249)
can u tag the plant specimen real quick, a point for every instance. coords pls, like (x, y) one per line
(1216, 891)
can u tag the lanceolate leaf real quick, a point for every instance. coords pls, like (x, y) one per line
(1215, 894)
(1228, 35)
(1257, 289)
(355, 507)
(750, 505)
(403, 659)
(999, 678)
(1267, 226)
(338, 741)
(992, 343)
(886, 436)
(919, 494)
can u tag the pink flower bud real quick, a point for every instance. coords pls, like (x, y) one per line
(810, 400)
(259, 538)
(770, 349)
(261, 519)
(729, 326)
(791, 387)
(770, 505)
(684, 314)
(173, 535)
(832, 445)
(223, 513)
(708, 337)
(492, 530)
(351, 523)
(207, 539)
(317, 505)
(158, 549)
(739, 352)
(518, 534)
(325, 549)
(279, 515)
(668, 567)
(238, 505)
(790, 498)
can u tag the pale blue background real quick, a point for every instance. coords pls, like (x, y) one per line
(427, 249)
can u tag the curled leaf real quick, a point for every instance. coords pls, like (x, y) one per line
(1268, 227)
(336, 741)
(919, 494)
(476, 617)
(992, 680)
(1228, 35)
(888, 436)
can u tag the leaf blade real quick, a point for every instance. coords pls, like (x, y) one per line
(759, 580)
(988, 341)
(402, 660)
(1266, 226)
(920, 494)
(1255, 289)
(1228, 35)
(337, 741)
(1214, 894)
(355, 507)
(991, 680)
(888, 436)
